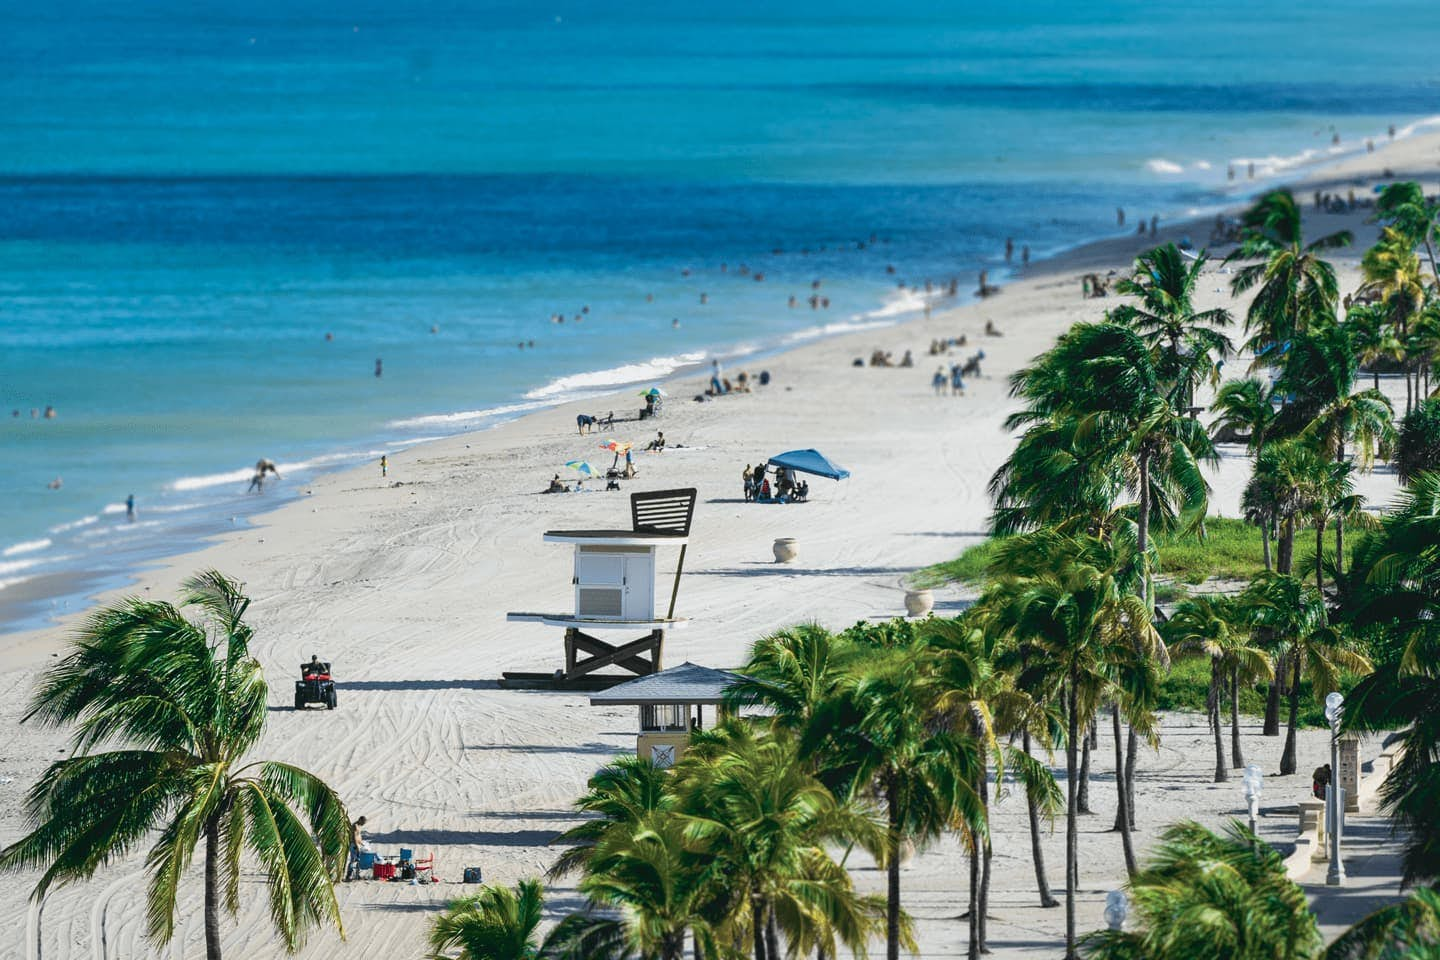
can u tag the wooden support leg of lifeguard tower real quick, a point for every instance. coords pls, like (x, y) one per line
(630, 655)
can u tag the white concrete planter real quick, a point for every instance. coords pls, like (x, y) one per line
(919, 602)
(785, 549)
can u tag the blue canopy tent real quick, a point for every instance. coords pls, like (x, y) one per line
(809, 461)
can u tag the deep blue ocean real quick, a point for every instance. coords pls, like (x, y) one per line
(215, 218)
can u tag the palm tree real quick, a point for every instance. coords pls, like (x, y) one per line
(1393, 276)
(496, 923)
(1404, 207)
(751, 804)
(1372, 337)
(1187, 345)
(192, 699)
(1247, 406)
(978, 696)
(873, 738)
(1295, 614)
(1063, 602)
(1294, 287)
(791, 672)
(1207, 896)
(618, 798)
(1207, 626)
(1397, 592)
(1284, 487)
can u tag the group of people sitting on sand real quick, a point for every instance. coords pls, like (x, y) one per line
(942, 346)
(721, 385)
(1093, 286)
(786, 489)
(884, 358)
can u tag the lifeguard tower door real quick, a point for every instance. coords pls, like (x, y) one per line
(615, 582)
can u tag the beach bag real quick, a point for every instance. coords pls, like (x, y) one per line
(472, 875)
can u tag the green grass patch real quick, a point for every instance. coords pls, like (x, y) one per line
(1187, 683)
(1231, 550)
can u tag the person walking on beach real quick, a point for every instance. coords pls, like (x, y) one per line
(357, 840)
(938, 382)
(130, 508)
(384, 465)
(745, 480)
(1009, 248)
(957, 382)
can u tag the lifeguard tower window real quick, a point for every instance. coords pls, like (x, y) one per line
(664, 716)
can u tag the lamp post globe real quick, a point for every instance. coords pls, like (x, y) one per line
(1334, 804)
(1117, 907)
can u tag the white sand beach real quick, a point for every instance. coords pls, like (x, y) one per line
(404, 583)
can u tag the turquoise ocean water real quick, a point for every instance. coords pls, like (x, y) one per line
(193, 195)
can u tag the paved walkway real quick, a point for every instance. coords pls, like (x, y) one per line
(1372, 876)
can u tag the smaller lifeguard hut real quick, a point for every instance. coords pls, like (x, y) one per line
(614, 581)
(672, 703)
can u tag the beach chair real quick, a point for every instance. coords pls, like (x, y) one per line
(426, 866)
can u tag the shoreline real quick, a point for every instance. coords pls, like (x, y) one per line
(28, 607)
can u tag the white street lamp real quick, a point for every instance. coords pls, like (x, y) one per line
(1334, 802)
(1252, 781)
(1117, 907)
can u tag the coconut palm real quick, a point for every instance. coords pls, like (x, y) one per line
(620, 795)
(1101, 385)
(978, 696)
(1294, 287)
(188, 697)
(1372, 337)
(1207, 896)
(1282, 490)
(1397, 591)
(1404, 207)
(791, 672)
(497, 923)
(873, 738)
(767, 820)
(1246, 406)
(1393, 277)
(1089, 640)
(1187, 344)
(1210, 627)
(1295, 615)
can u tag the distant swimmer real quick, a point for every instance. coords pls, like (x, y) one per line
(49, 413)
(379, 367)
(329, 337)
(675, 324)
(1009, 249)
(1120, 216)
(55, 484)
(262, 467)
(434, 328)
(1025, 254)
(1154, 224)
(130, 508)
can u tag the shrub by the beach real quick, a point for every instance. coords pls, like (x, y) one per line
(1419, 446)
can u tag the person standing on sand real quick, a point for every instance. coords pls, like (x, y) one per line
(384, 465)
(357, 840)
(262, 467)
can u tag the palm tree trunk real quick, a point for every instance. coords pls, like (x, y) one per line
(1084, 786)
(1319, 551)
(212, 889)
(1122, 817)
(1265, 544)
(1072, 848)
(1340, 534)
(1132, 756)
(1237, 758)
(1142, 538)
(1217, 691)
(772, 935)
(1285, 556)
(757, 922)
(1271, 727)
(1037, 852)
(892, 874)
(989, 854)
(973, 951)
(1287, 757)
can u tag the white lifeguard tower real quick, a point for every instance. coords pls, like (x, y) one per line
(615, 591)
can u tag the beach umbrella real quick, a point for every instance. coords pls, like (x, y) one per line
(653, 392)
(617, 447)
(582, 467)
(810, 461)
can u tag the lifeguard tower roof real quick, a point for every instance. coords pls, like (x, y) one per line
(687, 683)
